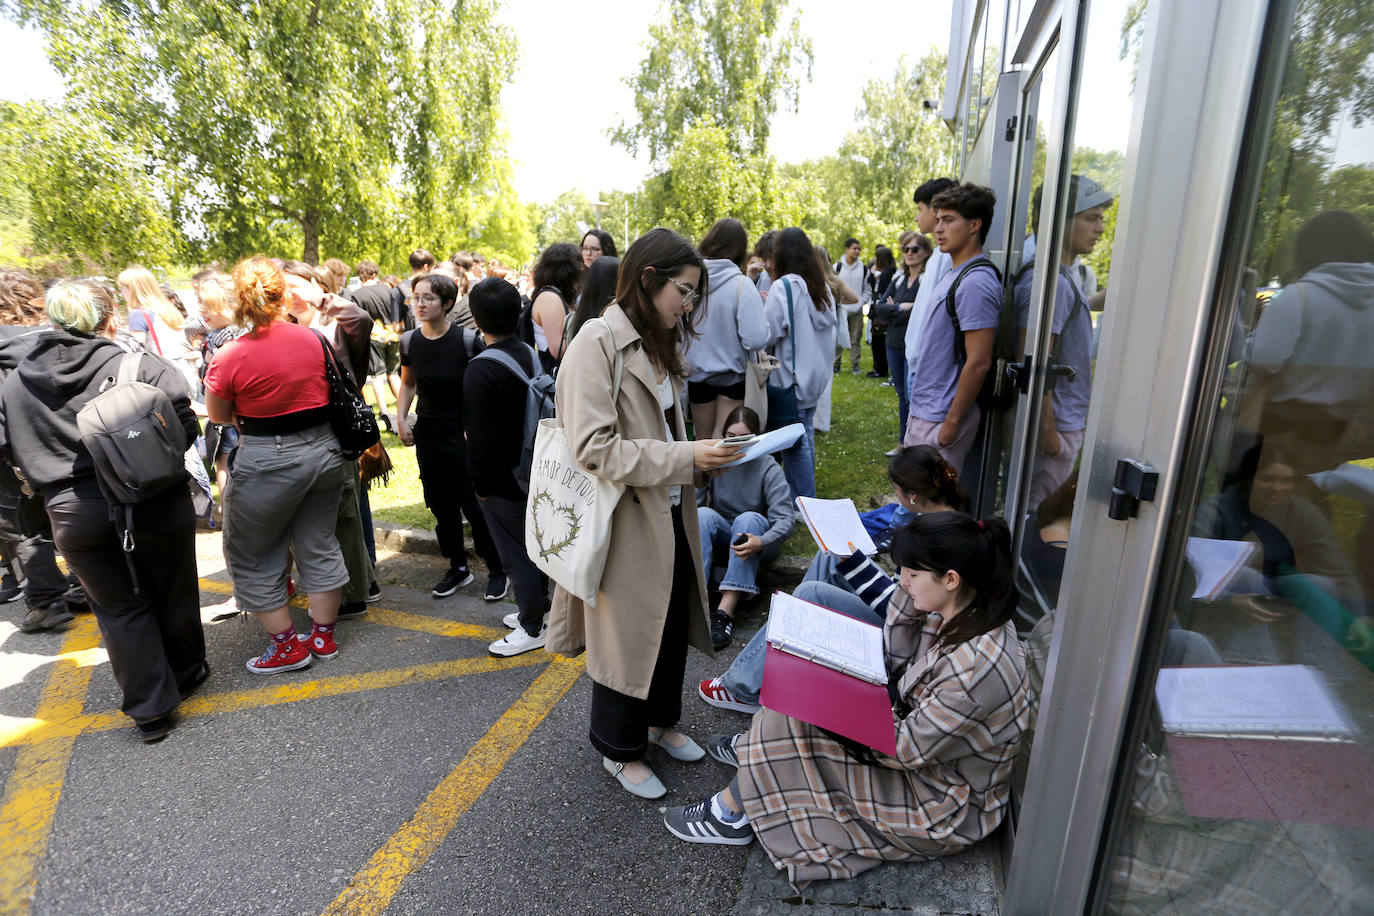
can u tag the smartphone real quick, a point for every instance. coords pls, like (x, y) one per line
(738, 440)
(740, 541)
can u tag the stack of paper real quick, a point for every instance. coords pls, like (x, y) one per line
(1262, 700)
(769, 443)
(1216, 563)
(827, 637)
(836, 526)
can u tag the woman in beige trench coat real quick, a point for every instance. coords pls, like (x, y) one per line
(652, 600)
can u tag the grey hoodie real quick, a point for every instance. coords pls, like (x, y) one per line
(812, 339)
(1314, 339)
(732, 328)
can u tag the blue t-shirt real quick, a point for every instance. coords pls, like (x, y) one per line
(1070, 398)
(978, 304)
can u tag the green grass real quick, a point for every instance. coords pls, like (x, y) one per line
(849, 460)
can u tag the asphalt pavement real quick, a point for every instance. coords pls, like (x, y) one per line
(412, 774)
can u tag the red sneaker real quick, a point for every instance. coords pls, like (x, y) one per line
(288, 656)
(714, 692)
(321, 645)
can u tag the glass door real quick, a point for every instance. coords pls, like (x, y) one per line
(1247, 780)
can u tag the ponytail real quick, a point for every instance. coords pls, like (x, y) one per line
(922, 470)
(979, 550)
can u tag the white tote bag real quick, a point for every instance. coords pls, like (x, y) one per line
(568, 512)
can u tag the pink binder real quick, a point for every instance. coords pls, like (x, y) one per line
(831, 699)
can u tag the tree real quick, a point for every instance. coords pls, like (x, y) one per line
(281, 121)
(116, 218)
(730, 62)
(864, 190)
(559, 220)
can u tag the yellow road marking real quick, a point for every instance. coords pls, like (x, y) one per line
(35, 783)
(373, 887)
(67, 725)
(401, 620)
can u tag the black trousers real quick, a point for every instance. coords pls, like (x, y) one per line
(155, 640)
(506, 521)
(880, 353)
(26, 537)
(443, 459)
(620, 723)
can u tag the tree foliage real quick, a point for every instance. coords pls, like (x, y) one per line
(728, 62)
(864, 190)
(322, 127)
(115, 216)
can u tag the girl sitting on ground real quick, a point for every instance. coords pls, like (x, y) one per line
(750, 514)
(824, 808)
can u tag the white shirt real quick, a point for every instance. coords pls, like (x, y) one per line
(936, 267)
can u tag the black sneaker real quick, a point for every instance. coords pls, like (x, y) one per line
(722, 748)
(699, 824)
(154, 729)
(352, 610)
(497, 586)
(9, 589)
(46, 618)
(454, 579)
(872, 374)
(374, 593)
(722, 628)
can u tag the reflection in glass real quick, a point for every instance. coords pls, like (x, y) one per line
(1260, 813)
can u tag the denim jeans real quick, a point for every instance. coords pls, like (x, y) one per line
(716, 532)
(744, 677)
(896, 366)
(799, 460)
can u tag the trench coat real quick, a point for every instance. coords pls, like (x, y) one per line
(626, 441)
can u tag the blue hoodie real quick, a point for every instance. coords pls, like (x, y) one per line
(810, 343)
(732, 328)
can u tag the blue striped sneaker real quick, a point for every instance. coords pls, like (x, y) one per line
(699, 824)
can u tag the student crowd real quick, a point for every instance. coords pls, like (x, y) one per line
(727, 337)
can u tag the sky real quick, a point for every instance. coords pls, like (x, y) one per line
(569, 88)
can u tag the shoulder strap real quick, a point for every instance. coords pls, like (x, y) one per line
(128, 367)
(149, 316)
(405, 342)
(1079, 304)
(469, 343)
(792, 327)
(505, 359)
(960, 353)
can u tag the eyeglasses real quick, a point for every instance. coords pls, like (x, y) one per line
(428, 300)
(689, 295)
(589, 249)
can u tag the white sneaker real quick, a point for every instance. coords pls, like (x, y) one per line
(517, 641)
(512, 620)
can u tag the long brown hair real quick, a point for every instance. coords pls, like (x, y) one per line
(794, 254)
(667, 253)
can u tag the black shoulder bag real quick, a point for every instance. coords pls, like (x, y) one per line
(349, 416)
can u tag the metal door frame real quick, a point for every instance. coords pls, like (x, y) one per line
(1198, 63)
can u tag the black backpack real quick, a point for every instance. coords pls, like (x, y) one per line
(999, 390)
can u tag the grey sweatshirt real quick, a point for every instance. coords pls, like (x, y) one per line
(813, 339)
(733, 327)
(758, 486)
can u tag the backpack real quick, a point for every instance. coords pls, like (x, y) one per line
(539, 404)
(998, 391)
(136, 443)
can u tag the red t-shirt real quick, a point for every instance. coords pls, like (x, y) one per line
(278, 370)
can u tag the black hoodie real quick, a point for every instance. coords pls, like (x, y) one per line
(40, 398)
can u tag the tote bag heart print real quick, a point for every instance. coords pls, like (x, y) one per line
(568, 512)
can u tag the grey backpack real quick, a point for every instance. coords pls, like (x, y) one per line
(539, 404)
(135, 439)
